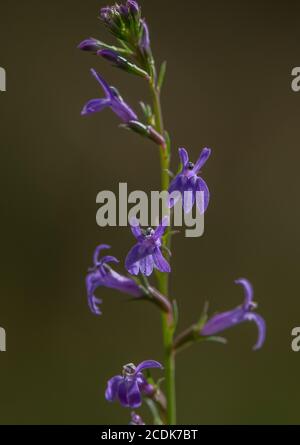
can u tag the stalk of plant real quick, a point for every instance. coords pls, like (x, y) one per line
(133, 54)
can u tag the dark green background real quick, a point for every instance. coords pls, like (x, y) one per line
(228, 87)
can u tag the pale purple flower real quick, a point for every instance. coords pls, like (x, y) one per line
(102, 275)
(240, 314)
(146, 254)
(112, 100)
(187, 183)
(129, 387)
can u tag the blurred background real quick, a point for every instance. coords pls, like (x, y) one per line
(228, 87)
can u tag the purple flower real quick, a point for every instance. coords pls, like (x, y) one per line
(146, 254)
(103, 275)
(129, 387)
(226, 320)
(112, 100)
(136, 419)
(90, 44)
(187, 183)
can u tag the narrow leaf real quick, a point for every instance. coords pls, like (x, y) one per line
(162, 74)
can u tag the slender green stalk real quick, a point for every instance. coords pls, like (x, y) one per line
(163, 279)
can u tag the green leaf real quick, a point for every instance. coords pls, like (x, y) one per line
(147, 110)
(203, 317)
(217, 339)
(161, 76)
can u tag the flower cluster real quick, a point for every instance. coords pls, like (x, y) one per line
(148, 255)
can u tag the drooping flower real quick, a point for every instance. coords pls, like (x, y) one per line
(146, 254)
(129, 387)
(102, 275)
(240, 314)
(112, 100)
(187, 183)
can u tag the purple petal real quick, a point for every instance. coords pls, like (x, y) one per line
(109, 259)
(112, 388)
(123, 284)
(122, 393)
(177, 185)
(204, 155)
(97, 252)
(144, 386)
(222, 321)
(161, 228)
(94, 106)
(261, 325)
(136, 229)
(123, 111)
(146, 364)
(160, 262)
(183, 156)
(248, 292)
(146, 265)
(133, 259)
(133, 395)
(93, 303)
(106, 88)
(93, 280)
(188, 200)
(203, 200)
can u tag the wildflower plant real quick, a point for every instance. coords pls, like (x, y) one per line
(149, 258)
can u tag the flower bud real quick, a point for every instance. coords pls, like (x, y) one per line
(122, 63)
(90, 45)
(133, 7)
(144, 43)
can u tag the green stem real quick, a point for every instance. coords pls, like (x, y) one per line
(163, 279)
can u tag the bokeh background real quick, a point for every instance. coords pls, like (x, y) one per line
(228, 87)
